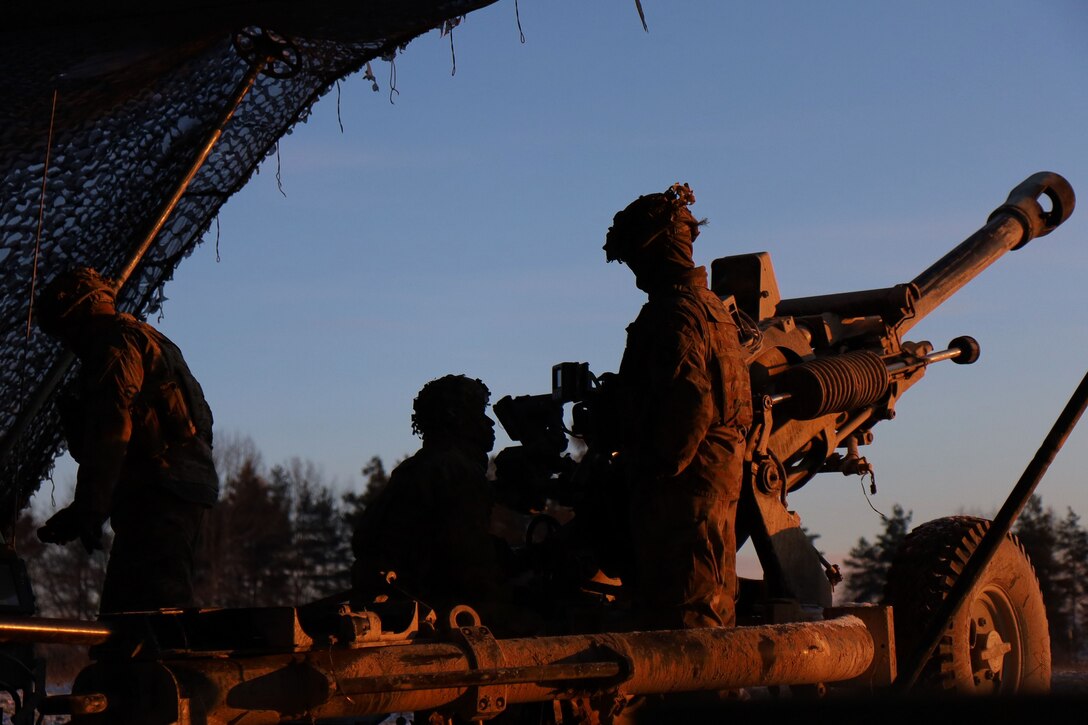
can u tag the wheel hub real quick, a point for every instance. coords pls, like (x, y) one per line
(989, 653)
(993, 636)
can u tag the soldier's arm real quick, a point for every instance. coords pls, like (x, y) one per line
(683, 394)
(116, 377)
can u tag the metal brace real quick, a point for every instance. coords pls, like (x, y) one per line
(483, 702)
(767, 423)
(766, 471)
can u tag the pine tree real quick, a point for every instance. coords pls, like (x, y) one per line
(320, 556)
(247, 543)
(1037, 531)
(376, 481)
(868, 563)
(1073, 581)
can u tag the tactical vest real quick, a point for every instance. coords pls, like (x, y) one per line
(172, 423)
(177, 398)
(726, 363)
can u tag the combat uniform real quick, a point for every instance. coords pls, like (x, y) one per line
(141, 431)
(684, 376)
(686, 402)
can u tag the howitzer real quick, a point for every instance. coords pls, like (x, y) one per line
(825, 371)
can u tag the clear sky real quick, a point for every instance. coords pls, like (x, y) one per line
(459, 228)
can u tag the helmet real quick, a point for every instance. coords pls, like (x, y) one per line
(447, 402)
(69, 292)
(648, 218)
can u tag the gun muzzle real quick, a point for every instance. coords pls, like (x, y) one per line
(1024, 203)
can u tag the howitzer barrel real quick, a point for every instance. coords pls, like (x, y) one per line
(1012, 225)
(481, 676)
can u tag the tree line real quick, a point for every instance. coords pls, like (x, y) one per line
(279, 536)
(1056, 545)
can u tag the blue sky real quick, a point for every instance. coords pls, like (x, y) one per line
(459, 228)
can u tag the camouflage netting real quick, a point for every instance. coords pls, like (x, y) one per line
(137, 95)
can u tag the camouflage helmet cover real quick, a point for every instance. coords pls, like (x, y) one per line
(446, 402)
(647, 219)
(68, 292)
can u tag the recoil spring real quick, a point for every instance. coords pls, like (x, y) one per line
(834, 384)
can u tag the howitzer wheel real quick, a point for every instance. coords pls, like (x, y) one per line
(999, 643)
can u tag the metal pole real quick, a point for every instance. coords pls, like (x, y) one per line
(241, 91)
(58, 631)
(999, 528)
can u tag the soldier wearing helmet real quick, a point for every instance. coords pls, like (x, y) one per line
(427, 535)
(687, 403)
(136, 421)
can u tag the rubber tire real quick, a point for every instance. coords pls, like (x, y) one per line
(1006, 608)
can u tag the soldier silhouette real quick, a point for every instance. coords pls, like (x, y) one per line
(140, 429)
(686, 401)
(430, 526)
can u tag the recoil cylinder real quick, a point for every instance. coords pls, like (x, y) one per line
(834, 384)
